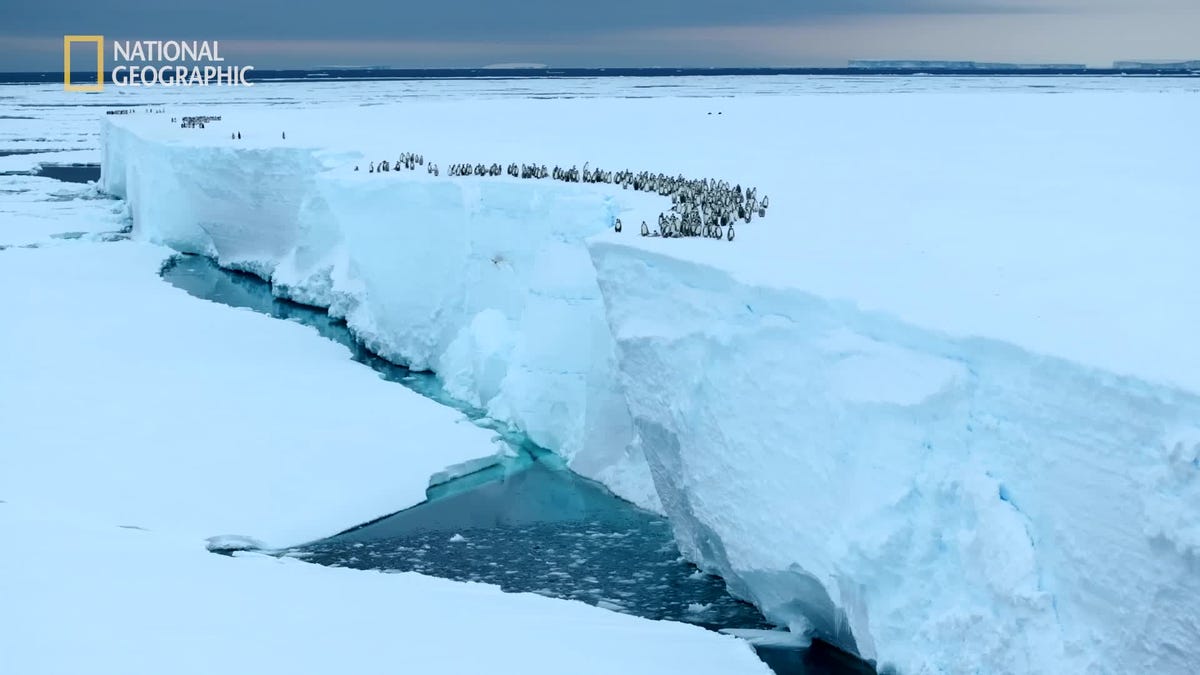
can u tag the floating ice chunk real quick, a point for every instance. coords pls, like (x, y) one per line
(457, 538)
(226, 543)
(770, 638)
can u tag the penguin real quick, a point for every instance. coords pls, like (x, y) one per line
(371, 169)
(285, 135)
(730, 237)
(356, 167)
(239, 135)
(645, 229)
(617, 226)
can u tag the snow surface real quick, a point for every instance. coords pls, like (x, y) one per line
(88, 596)
(36, 210)
(201, 420)
(142, 427)
(940, 405)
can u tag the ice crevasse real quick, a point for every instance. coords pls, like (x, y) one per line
(485, 282)
(940, 504)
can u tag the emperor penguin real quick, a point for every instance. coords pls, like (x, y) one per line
(617, 225)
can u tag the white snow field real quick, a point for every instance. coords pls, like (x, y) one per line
(942, 405)
(85, 597)
(202, 420)
(36, 210)
(138, 422)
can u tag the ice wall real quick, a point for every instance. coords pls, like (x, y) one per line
(944, 505)
(240, 205)
(486, 282)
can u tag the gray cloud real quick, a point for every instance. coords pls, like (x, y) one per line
(454, 33)
(448, 20)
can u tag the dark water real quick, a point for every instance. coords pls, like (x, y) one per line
(70, 173)
(525, 523)
(633, 568)
(11, 153)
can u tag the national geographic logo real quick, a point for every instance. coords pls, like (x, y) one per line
(165, 63)
(69, 40)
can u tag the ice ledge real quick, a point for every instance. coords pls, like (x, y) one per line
(942, 504)
(485, 281)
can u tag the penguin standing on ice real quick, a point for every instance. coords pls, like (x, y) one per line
(285, 135)
(371, 169)
(730, 235)
(645, 229)
(617, 226)
(239, 135)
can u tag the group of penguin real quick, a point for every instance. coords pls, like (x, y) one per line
(406, 160)
(130, 111)
(699, 207)
(197, 121)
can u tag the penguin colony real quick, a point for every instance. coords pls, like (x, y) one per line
(130, 111)
(699, 207)
(406, 160)
(198, 121)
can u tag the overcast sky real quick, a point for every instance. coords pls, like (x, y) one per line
(471, 33)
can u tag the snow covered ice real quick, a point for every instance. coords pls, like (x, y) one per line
(142, 427)
(941, 406)
(128, 601)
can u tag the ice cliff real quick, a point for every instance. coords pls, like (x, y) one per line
(947, 505)
(488, 283)
(942, 504)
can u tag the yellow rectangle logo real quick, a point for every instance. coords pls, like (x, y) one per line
(68, 40)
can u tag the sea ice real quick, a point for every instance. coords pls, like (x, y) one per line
(937, 406)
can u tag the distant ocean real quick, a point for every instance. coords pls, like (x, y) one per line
(542, 73)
